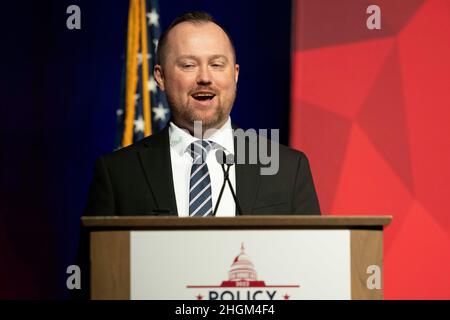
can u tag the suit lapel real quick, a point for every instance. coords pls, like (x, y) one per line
(155, 160)
(157, 166)
(247, 182)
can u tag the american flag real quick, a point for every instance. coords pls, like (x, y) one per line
(143, 108)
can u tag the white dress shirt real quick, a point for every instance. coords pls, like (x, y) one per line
(181, 160)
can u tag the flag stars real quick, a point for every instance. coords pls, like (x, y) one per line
(160, 112)
(153, 18)
(151, 85)
(155, 43)
(139, 125)
(140, 56)
(119, 112)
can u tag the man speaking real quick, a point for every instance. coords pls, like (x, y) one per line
(195, 167)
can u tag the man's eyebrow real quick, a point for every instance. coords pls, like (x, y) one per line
(187, 57)
(218, 56)
(213, 57)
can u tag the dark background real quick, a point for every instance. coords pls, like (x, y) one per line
(59, 92)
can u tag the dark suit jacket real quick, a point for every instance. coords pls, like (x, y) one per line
(137, 180)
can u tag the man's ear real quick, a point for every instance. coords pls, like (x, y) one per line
(159, 76)
(236, 72)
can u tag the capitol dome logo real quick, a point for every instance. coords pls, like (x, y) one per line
(243, 284)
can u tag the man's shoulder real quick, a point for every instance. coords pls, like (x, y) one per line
(155, 141)
(294, 154)
(284, 151)
(291, 159)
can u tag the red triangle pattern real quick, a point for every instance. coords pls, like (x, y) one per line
(417, 265)
(381, 107)
(315, 73)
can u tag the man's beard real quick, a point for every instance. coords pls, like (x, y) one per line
(187, 115)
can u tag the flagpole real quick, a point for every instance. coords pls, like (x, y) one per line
(145, 71)
(131, 72)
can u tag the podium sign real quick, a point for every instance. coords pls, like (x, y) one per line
(240, 258)
(245, 265)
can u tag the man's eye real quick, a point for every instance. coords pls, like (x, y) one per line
(217, 65)
(187, 66)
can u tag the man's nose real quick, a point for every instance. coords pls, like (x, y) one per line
(203, 76)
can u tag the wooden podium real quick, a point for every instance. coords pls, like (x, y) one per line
(111, 261)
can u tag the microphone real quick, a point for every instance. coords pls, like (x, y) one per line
(223, 159)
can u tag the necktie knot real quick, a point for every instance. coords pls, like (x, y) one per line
(199, 150)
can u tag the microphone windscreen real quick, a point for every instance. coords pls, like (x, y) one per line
(221, 156)
(230, 159)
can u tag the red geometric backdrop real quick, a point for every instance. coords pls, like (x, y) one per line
(371, 109)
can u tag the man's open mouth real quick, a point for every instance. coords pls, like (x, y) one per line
(203, 96)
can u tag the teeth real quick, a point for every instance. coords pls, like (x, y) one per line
(203, 94)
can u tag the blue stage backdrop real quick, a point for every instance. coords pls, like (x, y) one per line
(60, 90)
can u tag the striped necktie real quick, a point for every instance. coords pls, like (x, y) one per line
(200, 196)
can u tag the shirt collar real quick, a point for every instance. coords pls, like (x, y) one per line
(180, 139)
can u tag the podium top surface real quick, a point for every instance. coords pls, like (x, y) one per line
(240, 222)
